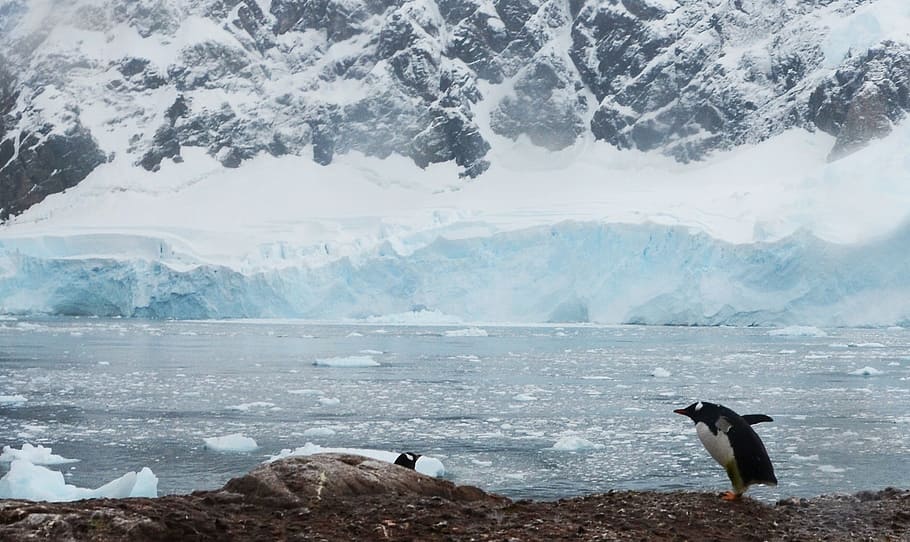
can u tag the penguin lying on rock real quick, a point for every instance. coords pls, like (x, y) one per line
(730, 440)
(407, 460)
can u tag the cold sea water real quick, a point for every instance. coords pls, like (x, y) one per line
(530, 412)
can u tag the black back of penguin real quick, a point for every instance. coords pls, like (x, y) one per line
(751, 455)
(748, 449)
(408, 460)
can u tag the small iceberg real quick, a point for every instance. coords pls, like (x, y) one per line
(347, 361)
(36, 455)
(36, 483)
(234, 442)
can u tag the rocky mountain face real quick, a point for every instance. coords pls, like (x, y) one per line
(85, 82)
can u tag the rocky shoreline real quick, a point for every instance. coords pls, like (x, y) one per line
(344, 497)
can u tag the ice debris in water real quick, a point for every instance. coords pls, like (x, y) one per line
(469, 332)
(575, 444)
(866, 371)
(798, 331)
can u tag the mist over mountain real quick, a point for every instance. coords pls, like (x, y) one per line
(84, 82)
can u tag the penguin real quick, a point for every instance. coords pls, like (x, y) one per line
(407, 460)
(732, 442)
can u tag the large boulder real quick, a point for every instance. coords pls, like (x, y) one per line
(321, 478)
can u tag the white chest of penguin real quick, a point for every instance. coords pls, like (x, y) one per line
(717, 445)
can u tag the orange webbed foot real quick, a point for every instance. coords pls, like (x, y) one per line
(730, 496)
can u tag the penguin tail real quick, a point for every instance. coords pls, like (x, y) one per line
(766, 481)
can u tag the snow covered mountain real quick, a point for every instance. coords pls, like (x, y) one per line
(87, 81)
(659, 161)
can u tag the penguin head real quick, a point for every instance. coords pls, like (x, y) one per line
(700, 412)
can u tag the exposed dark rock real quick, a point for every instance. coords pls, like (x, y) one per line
(253, 21)
(210, 65)
(477, 38)
(863, 98)
(343, 497)
(546, 106)
(451, 135)
(132, 66)
(339, 19)
(148, 16)
(46, 163)
(167, 145)
(8, 96)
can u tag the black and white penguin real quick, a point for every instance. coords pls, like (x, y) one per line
(408, 460)
(732, 442)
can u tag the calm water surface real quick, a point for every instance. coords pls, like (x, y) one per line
(123, 394)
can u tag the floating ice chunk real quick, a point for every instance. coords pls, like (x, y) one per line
(355, 334)
(37, 455)
(348, 361)
(235, 442)
(371, 352)
(866, 371)
(830, 468)
(329, 401)
(245, 407)
(575, 444)
(427, 465)
(797, 457)
(660, 372)
(305, 391)
(12, 399)
(36, 483)
(798, 331)
(469, 332)
(319, 432)
(525, 397)
(29, 430)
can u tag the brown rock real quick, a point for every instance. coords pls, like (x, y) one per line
(343, 497)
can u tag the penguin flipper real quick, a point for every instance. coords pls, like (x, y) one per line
(753, 419)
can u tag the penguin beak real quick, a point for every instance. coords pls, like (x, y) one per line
(681, 411)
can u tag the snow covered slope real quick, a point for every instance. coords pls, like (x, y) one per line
(84, 82)
(191, 139)
(770, 234)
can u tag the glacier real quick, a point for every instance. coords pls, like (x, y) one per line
(769, 234)
(567, 272)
